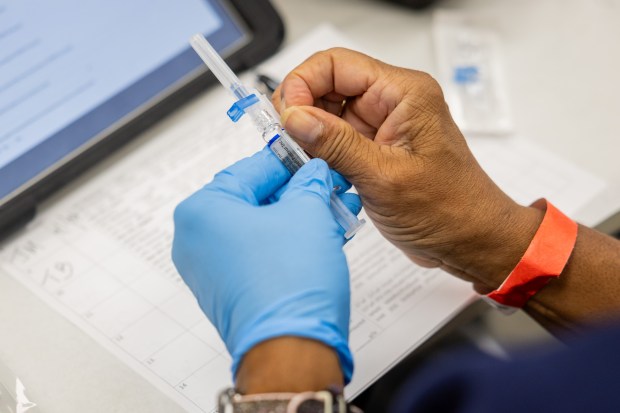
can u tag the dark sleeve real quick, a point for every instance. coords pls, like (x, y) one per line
(583, 377)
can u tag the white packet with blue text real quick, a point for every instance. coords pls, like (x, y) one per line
(468, 55)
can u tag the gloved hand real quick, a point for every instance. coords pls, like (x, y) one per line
(263, 255)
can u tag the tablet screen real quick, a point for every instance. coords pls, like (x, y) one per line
(70, 69)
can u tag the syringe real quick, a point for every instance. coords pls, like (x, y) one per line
(267, 121)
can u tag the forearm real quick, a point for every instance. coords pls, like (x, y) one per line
(588, 289)
(289, 364)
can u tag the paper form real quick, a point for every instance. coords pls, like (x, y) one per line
(100, 255)
(527, 172)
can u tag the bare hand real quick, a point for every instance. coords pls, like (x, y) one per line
(418, 181)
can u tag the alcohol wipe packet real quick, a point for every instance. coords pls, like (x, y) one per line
(468, 53)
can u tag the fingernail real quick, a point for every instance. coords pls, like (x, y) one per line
(302, 125)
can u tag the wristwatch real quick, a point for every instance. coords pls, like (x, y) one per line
(229, 401)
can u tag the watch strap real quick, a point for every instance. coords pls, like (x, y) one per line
(229, 401)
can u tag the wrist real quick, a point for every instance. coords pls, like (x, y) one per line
(500, 243)
(324, 321)
(545, 259)
(289, 364)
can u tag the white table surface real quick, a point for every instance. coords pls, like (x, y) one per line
(562, 63)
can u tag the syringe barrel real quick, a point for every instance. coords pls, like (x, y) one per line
(293, 158)
(287, 150)
(267, 121)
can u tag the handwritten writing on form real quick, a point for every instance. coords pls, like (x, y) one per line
(100, 255)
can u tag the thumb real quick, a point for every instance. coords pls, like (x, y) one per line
(312, 178)
(332, 139)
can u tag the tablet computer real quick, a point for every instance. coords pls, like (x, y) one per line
(78, 79)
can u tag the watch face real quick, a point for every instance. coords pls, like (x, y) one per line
(311, 406)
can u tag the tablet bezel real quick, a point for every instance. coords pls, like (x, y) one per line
(267, 32)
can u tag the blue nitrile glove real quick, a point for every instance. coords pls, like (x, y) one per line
(263, 255)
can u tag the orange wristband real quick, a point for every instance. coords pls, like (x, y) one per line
(544, 259)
